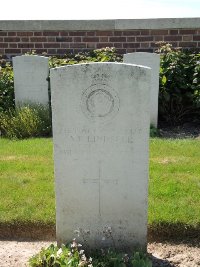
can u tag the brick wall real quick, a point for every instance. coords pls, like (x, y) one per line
(59, 42)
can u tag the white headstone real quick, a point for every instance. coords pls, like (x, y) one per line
(30, 79)
(100, 133)
(151, 60)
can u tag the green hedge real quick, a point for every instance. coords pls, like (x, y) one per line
(179, 96)
(179, 93)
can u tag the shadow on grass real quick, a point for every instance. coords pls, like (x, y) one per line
(159, 262)
(27, 231)
(175, 233)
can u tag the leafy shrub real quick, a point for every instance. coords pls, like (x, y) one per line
(6, 86)
(154, 132)
(99, 55)
(26, 121)
(73, 256)
(179, 97)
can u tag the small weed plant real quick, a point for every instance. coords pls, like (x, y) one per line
(73, 255)
(26, 121)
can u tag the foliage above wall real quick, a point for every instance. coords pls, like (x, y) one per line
(179, 96)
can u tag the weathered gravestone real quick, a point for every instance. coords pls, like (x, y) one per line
(100, 132)
(30, 79)
(151, 60)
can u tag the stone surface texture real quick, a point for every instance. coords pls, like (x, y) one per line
(118, 24)
(30, 79)
(101, 131)
(151, 60)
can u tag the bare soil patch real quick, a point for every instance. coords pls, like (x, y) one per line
(17, 253)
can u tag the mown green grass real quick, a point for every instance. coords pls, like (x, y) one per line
(174, 191)
(27, 181)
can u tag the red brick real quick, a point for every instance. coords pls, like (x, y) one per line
(196, 37)
(90, 39)
(67, 51)
(154, 44)
(118, 33)
(61, 51)
(103, 39)
(38, 39)
(50, 33)
(3, 45)
(188, 38)
(130, 39)
(173, 38)
(37, 33)
(39, 45)
(52, 51)
(144, 32)
(51, 39)
(76, 39)
(102, 45)
(118, 45)
(24, 33)
(11, 39)
(12, 45)
(173, 32)
(150, 50)
(64, 33)
(25, 45)
(41, 51)
(131, 33)
(25, 39)
(25, 50)
(144, 39)
(51, 45)
(63, 39)
(12, 51)
(159, 32)
(3, 33)
(91, 45)
(90, 33)
(11, 33)
(158, 38)
(144, 45)
(187, 44)
(104, 33)
(131, 45)
(117, 39)
(121, 51)
(77, 33)
(77, 45)
(64, 45)
(188, 31)
(130, 50)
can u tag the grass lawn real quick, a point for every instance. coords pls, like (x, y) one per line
(27, 182)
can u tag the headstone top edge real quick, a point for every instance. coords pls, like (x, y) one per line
(98, 64)
(143, 53)
(30, 56)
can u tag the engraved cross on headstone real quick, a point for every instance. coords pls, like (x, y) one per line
(99, 181)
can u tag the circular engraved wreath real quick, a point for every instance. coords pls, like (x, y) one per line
(100, 102)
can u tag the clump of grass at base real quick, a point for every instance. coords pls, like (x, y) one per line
(26, 121)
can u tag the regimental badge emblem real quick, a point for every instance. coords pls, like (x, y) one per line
(100, 102)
